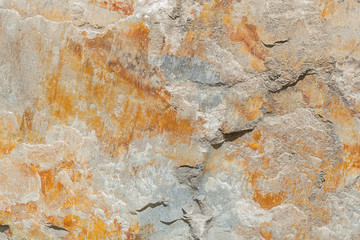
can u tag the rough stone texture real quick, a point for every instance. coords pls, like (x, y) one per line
(189, 119)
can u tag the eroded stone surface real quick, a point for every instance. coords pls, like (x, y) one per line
(179, 119)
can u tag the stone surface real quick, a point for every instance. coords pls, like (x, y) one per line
(189, 119)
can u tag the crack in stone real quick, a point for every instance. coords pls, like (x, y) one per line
(170, 222)
(276, 43)
(153, 205)
(232, 136)
(4, 228)
(302, 76)
(53, 226)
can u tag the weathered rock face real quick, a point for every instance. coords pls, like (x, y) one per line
(183, 119)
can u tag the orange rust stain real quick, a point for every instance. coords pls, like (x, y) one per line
(352, 154)
(269, 200)
(50, 187)
(91, 228)
(124, 7)
(70, 221)
(61, 102)
(139, 35)
(243, 32)
(203, 28)
(255, 146)
(257, 135)
(266, 200)
(76, 48)
(330, 106)
(302, 146)
(328, 9)
(146, 108)
(334, 176)
(252, 175)
(26, 122)
(246, 33)
(9, 134)
(264, 231)
(192, 47)
(35, 232)
(116, 230)
(230, 156)
(223, 5)
(265, 162)
(27, 133)
(96, 229)
(257, 65)
(24, 211)
(54, 15)
(246, 110)
(250, 108)
(320, 214)
(132, 233)
(54, 220)
(6, 146)
(101, 45)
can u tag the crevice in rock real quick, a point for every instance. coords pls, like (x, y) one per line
(189, 166)
(174, 16)
(276, 43)
(53, 226)
(152, 205)
(232, 136)
(323, 119)
(214, 85)
(90, 26)
(169, 223)
(302, 76)
(4, 228)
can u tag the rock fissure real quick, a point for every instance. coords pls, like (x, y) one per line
(276, 43)
(153, 205)
(53, 226)
(301, 77)
(4, 227)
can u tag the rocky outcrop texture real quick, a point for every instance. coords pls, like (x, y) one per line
(187, 119)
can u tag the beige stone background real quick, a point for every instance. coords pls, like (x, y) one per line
(180, 119)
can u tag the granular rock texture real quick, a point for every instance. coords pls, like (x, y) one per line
(180, 119)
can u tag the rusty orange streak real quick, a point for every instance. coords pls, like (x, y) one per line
(246, 33)
(117, 6)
